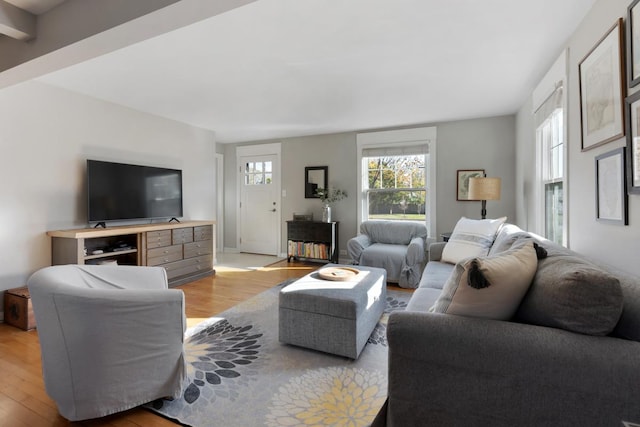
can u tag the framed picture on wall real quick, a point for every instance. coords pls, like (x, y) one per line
(462, 186)
(602, 90)
(611, 194)
(633, 143)
(633, 43)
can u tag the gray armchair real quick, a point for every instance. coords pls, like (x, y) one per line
(111, 337)
(396, 246)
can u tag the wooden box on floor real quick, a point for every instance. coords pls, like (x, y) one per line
(18, 310)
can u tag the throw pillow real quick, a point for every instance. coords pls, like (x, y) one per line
(572, 294)
(471, 237)
(491, 287)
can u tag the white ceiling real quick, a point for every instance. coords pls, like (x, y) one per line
(283, 68)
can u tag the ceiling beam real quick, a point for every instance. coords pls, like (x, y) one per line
(79, 30)
(16, 23)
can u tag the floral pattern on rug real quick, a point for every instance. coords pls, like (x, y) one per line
(240, 375)
(213, 356)
(394, 304)
(329, 397)
(379, 334)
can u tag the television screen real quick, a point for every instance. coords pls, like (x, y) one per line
(118, 191)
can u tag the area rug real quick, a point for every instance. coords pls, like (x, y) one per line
(239, 374)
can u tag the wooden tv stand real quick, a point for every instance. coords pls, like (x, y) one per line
(186, 250)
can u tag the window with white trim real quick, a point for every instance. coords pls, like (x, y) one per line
(396, 186)
(550, 133)
(397, 175)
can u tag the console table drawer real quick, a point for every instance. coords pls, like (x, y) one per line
(203, 232)
(198, 248)
(158, 239)
(182, 235)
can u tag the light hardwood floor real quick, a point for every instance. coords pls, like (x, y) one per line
(23, 400)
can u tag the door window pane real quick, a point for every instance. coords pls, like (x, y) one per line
(258, 173)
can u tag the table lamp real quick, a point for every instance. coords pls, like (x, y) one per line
(484, 189)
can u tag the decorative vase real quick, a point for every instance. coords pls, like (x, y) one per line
(326, 213)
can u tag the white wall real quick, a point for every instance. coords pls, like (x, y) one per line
(614, 244)
(46, 134)
(487, 143)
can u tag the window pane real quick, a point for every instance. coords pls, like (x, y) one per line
(396, 171)
(553, 212)
(397, 185)
(397, 204)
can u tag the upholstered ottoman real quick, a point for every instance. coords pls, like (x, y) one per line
(333, 316)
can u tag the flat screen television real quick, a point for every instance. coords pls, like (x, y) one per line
(119, 192)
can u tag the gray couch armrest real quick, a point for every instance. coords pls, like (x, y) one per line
(356, 245)
(415, 252)
(435, 251)
(454, 370)
(413, 264)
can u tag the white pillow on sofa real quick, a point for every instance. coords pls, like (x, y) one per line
(491, 287)
(471, 237)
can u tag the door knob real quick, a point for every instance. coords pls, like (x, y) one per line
(273, 210)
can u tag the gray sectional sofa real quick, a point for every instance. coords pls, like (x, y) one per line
(570, 355)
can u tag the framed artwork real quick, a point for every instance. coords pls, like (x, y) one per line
(602, 90)
(633, 143)
(633, 43)
(611, 194)
(462, 186)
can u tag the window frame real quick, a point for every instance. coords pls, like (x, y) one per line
(368, 191)
(545, 133)
(400, 138)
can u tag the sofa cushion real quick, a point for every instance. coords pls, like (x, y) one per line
(570, 293)
(470, 238)
(490, 287)
(507, 235)
(422, 299)
(435, 274)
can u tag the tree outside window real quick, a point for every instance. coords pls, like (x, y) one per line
(396, 187)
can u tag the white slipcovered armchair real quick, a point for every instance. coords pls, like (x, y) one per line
(111, 337)
(396, 246)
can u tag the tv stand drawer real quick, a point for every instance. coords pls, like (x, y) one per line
(158, 239)
(189, 266)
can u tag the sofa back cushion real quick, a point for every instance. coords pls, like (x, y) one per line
(471, 238)
(507, 235)
(569, 292)
(393, 232)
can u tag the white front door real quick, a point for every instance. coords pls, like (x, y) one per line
(259, 204)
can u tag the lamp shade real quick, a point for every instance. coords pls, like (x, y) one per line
(484, 188)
